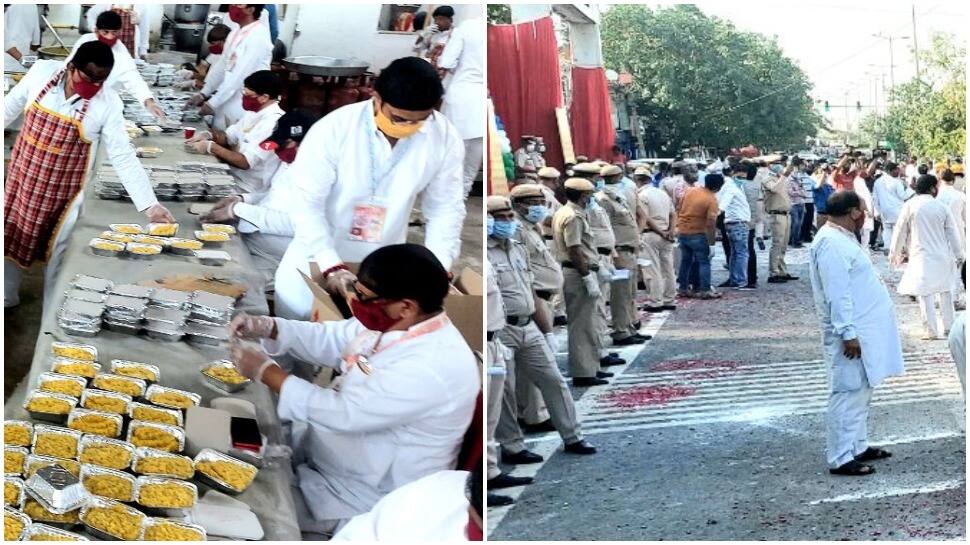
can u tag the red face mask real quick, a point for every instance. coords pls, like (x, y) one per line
(84, 88)
(251, 103)
(287, 155)
(235, 13)
(371, 315)
(110, 42)
(215, 49)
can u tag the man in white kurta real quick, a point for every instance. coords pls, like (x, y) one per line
(359, 183)
(926, 239)
(464, 57)
(103, 124)
(139, 19)
(860, 337)
(21, 35)
(403, 401)
(889, 193)
(956, 200)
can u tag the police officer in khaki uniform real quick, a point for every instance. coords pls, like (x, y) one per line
(495, 371)
(658, 236)
(573, 247)
(622, 215)
(777, 206)
(526, 325)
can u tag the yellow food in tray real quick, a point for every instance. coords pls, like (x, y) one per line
(114, 384)
(74, 352)
(165, 495)
(12, 528)
(185, 244)
(106, 404)
(173, 399)
(79, 369)
(66, 387)
(163, 229)
(145, 249)
(13, 462)
(11, 493)
(229, 375)
(117, 237)
(155, 438)
(146, 239)
(166, 531)
(210, 236)
(70, 465)
(235, 476)
(115, 520)
(218, 228)
(149, 414)
(37, 513)
(51, 537)
(49, 405)
(17, 436)
(109, 486)
(128, 229)
(165, 466)
(96, 424)
(110, 456)
(109, 246)
(58, 445)
(137, 372)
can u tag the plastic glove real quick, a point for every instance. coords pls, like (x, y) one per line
(592, 284)
(184, 74)
(155, 109)
(222, 211)
(200, 146)
(340, 283)
(250, 361)
(246, 326)
(196, 100)
(199, 136)
(553, 342)
(159, 214)
(205, 109)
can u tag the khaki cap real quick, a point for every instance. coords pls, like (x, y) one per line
(498, 203)
(548, 172)
(610, 170)
(642, 171)
(581, 158)
(587, 168)
(579, 184)
(523, 191)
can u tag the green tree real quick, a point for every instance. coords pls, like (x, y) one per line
(701, 81)
(499, 14)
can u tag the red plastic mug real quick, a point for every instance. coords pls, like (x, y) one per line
(189, 132)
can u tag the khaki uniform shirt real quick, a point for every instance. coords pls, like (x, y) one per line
(599, 223)
(493, 300)
(658, 205)
(510, 260)
(622, 217)
(545, 267)
(776, 193)
(570, 227)
(553, 204)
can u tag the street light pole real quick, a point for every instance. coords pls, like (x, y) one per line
(915, 46)
(892, 71)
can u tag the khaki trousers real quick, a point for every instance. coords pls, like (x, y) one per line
(532, 354)
(622, 303)
(495, 373)
(583, 329)
(532, 410)
(659, 276)
(780, 227)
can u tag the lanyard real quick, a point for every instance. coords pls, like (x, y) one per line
(360, 358)
(397, 152)
(240, 35)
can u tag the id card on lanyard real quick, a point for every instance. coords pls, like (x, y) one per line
(359, 357)
(367, 223)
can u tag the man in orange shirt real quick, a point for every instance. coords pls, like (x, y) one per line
(695, 227)
(847, 169)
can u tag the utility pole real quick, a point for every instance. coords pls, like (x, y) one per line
(916, 47)
(892, 72)
(845, 108)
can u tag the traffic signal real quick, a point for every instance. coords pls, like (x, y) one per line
(826, 105)
(858, 105)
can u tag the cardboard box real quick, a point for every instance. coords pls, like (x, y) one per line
(464, 304)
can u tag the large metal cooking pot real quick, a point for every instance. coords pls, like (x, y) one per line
(82, 25)
(325, 66)
(189, 37)
(191, 13)
(54, 52)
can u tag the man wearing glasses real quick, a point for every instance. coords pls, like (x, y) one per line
(66, 114)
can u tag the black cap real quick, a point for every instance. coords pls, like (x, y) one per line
(292, 125)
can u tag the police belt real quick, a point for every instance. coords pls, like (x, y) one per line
(544, 294)
(604, 251)
(569, 265)
(626, 249)
(519, 321)
(778, 212)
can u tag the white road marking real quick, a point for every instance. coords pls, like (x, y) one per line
(892, 492)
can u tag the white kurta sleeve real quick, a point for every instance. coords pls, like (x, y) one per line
(953, 236)
(127, 74)
(834, 270)
(449, 57)
(387, 398)
(313, 176)
(318, 343)
(250, 57)
(122, 157)
(900, 241)
(214, 77)
(265, 220)
(442, 203)
(16, 99)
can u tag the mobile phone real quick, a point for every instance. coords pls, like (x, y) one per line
(245, 435)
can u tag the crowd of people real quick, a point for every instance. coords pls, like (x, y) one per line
(574, 249)
(333, 191)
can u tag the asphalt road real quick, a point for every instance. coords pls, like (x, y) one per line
(715, 431)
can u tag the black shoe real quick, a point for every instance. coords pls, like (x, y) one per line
(520, 458)
(796, 245)
(637, 325)
(541, 427)
(603, 374)
(497, 500)
(610, 361)
(504, 480)
(726, 284)
(580, 447)
(643, 338)
(669, 307)
(585, 382)
(559, 320)
(790, 277)
(653, 309)
(641, 285)
(627, 341)
(777, 279)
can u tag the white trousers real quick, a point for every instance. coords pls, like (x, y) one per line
(293, 299)
(887, 235)
(473, 162)
(848, 411)
(927, 311)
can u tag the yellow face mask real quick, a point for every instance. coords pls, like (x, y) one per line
(388, 127)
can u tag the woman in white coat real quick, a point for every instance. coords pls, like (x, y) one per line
(402, 403)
